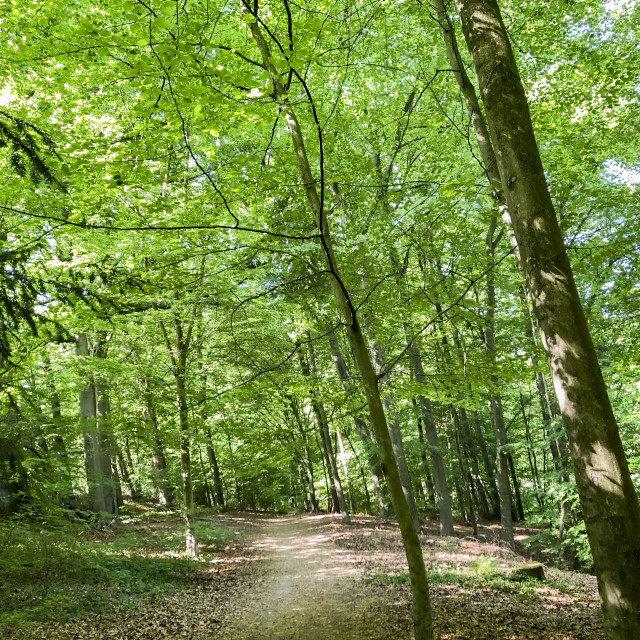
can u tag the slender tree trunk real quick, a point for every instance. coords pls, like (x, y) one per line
(368, 446)
(502, 464)
(464, 473)
(516, 487)
(303, 483)
(218, 497)
(468, 445)
(96, 455)
(236, 484)
(126, 475)
(158, 459)
(427, 485)
(185, 467)
(204, 477)
(57, 441)
(393, 423)
(178, 359)
(486, 462)
(435, 453)
(422, 619)
(321, 416)
(367, 496)
(607, 494)
(531, 455)
(343, 463)
(428, 489)
(133, 476)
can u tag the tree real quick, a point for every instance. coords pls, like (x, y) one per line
(607, 494)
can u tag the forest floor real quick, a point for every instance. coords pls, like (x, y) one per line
(309, 577)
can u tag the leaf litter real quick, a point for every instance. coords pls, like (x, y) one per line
(309, 577)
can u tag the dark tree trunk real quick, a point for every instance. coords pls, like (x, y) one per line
(421, 611)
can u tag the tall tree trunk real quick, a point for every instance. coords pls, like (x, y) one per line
(108, 444)
(57, 441)
(96, 455)
(491, 168)
(308, 463)
(427, 486)
(218, 497)
(486, 463)
(132, 474)
(343, 463)
(303, 484)
(323, 425)
(393, 423)
(516, 487)
(495, 399)
(178, 359)
(126, 475)
(502, 464)
(422, 618)
(468, 444)
(464, 472)
(607, 494)
(531, 456)
(363, 432)
(367, 496)
(435, 453)
(158, 459)
(236, 483)
(207, 491)
(185, 467)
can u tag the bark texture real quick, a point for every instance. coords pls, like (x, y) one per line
(607, 495)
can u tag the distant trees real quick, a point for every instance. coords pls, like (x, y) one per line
(287, 225)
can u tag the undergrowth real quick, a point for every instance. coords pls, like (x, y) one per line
(484, 573)
(55, 570)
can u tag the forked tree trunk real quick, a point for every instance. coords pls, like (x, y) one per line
(96, 455)
(607, 494)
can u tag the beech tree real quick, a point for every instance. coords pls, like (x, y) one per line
(286, 219)
(607, 494)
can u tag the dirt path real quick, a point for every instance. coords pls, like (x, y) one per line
(308, 589)
(301, 577)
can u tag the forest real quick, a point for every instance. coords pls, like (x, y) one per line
(357, 274)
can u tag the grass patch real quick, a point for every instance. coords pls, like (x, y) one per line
(56, 570)
(484, 574)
